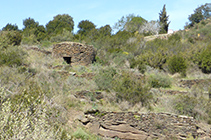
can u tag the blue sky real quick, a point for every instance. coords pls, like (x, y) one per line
(100, 12)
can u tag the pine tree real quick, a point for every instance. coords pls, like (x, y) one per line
(163, 19)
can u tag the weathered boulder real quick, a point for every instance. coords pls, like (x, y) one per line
(75, 53)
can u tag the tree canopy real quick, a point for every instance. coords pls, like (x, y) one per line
(30, 23)
(201, 13)
(85, 26)
(59, 23)
(10, 27)
(163, 19)
(130, 23)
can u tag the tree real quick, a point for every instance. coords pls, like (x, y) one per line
(152, 27)
(10, 27)
(40, 32)
(59, 23)
(201, 13)
(130, 23)
(32, 31)
(85, 26)
(163, 19)
(30, 23)
(105, 30)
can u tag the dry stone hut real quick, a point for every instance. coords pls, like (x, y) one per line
(75, 53)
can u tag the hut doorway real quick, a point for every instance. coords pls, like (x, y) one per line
(67, 60)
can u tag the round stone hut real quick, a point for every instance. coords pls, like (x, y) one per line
(75, 53)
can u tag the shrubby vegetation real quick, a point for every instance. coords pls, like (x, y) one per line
(34, 89)
(177, 64)
(157, 80)
(129, 88)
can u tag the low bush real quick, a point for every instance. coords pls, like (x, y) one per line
(205, 60)
(31, 40)
(176, 64)
(138, 63)
(12, 56)
(174, 38)
(185, 105)
(159, 80)
(197, 107)
(23, 116)
(105, 77)
(130, 88)
(8, 38)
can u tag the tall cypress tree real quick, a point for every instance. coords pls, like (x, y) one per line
(163, 19)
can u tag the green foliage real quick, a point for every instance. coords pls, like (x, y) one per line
(59, 23)
(137, 63)
(40, 33)
(64, 36)
(159, 80)
(33, 32)
(177, 64)
(134, 24)
(26, 117)
(208, 111)
(81, 134)
(131, 89)
(105, 77)
(200, 13)
(130, 23)
(163, 19)
(105, 31)
(204, 61)
(185, 104)
(174, 38)
(30, 40)
(85, 26)
(30, 23)
(10, 38)
(119, 41)
(154, 59)
(12, 56)
(10, 27)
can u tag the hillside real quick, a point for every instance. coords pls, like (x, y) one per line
(129, 88)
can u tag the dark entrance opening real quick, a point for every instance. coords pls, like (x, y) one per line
(67, 59)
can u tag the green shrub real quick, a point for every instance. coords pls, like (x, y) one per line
(128, 87)
(174, 38)
(64, 36)
(159, 80)
(23, 116)
(138, 63)
(31, 40)
(12, 56)
(8, 38)
(177, 64)
(185, 105)
(205, 60)
(105, 77)
(81, 134)
(208, 111)
(155, 58)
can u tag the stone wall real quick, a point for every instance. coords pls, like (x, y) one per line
(190, 83)
(75, 53)
(135, 126)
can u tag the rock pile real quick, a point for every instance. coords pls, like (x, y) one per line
(75, 53)
(135, 126)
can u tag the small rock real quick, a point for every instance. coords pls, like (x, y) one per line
(72, 73)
